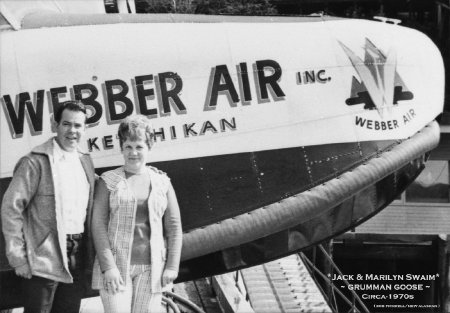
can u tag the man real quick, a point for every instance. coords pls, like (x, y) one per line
(45, 214)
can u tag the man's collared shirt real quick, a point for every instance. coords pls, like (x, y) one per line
(74, 189)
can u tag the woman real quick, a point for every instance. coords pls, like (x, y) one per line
(135, 216)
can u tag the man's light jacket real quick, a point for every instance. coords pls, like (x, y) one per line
(32, 216)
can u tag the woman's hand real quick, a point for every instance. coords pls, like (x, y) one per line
(113, 281)
(168, 277)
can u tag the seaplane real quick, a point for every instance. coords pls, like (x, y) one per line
(278, 133)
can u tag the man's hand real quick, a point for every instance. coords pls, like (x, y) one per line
(168, 277)
(113, 281)
(23, 271)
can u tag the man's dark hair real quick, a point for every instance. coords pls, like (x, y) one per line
(70, 105)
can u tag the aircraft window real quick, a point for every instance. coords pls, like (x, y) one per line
(111, 6)
(432, 185)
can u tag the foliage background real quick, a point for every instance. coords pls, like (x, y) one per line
(232, 7)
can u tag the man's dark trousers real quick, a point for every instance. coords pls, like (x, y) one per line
(43, 295)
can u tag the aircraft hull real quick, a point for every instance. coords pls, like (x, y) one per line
(309, 217)
(317, 212)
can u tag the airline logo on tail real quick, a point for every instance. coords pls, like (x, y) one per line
(379, 86)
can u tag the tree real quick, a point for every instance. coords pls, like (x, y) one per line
(236, 7)
(231, 7)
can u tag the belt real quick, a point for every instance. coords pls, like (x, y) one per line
(74, 236)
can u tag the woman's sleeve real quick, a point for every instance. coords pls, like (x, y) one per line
(173, 231)
(100, 220)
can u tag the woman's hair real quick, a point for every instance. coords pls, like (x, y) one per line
(135, 127)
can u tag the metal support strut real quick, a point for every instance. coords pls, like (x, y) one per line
(356, 305)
